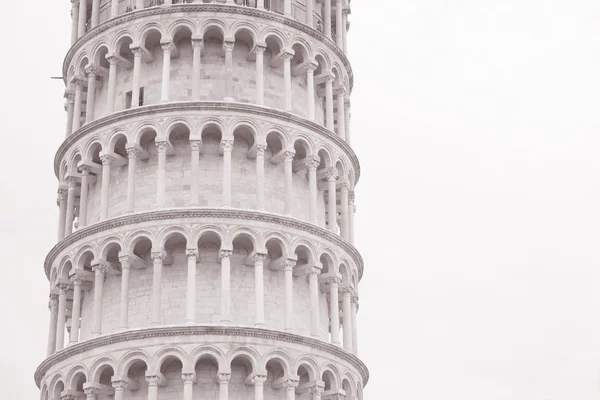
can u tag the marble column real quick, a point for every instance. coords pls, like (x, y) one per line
(287, 80)
(77, 105)
(62, 212)
(289, 189)
(72, 187)
(139, 5)
(228, 46)
(152, 387)
(347, 310)
(310, 90)
(132, 157)
(310, 13)
(157, 260)
(188, 385)
(81, 28)
(167, 47)
(95, 13)
(100, 273)
(313, 287)
(83, 196)
(77, 280)
(74, 20)
(112, 83)
(329, 102)
(195, 172)
(341, 126)
(223, 380)
(190, 313)
(259, 50)
(332, 201)
(91, 93)
(288, 271)
(259, 386)
(260, 176)
(327, 18)
(227, 150)
(119, 386)
(313, 164)
(347, 106)
(137, 71)
(107, 161)
(226, 286)
(259, 291)
(62, 309)
(70, 96)
(316, 391)
(354, 310)
(351, 211)
(344, 226)
(114, 8)
(53, 305)
(125, 261)
(287, 8)
(339, 20)
(334, 311)
(290, 388)
(196, 67)
(161, 173)
(345, 27)
(91, 393)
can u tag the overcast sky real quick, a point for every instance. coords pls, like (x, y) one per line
(477, 126)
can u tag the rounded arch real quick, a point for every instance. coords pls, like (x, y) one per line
(246, 127)
(100, 365)
(176, 123)
(331, 376)
(170, 353)
(276, 139)
(246, 354)
(209, 352)
(117, 139)
(172, 233)
(276, 238)
(82, 61)
(272, 35)
(145, 127)
(120, 37)
(325, 157)
(93, 149)
(302, 145)
(305, 252)
(148, 30)
(84, 257)
(323, 61)
(77, 375)
(130, 358)
(299, 43)
(213, 29)
(349, 386)
(74, 158)
(65, 266)
(310, 366)
(99, 53)
(241, 233)
(180, 26)
(206, 231)
(279, 356)
(57, 385)
(108, 245)
(245, 32)
(328, 261)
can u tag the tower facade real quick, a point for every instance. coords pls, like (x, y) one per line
(206, 204)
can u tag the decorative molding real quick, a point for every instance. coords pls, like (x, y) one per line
(211, 107)
(171, 331)
(208, 8)
(197, 213)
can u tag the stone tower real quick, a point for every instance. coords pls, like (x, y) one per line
(206, 203)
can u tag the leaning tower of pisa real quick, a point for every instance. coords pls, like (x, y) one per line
(206, 204)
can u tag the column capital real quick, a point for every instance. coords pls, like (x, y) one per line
(316, 270)
(289, 155)
(67, 396)
(69, 95)
(225, 253)
(259, 380)
(311, 66)
(75, 3)
(259, 258)
(223, 378)
(53, 299)
(158, 255)
(91, 392)
(132, 151)
(331, 175)
(136, 50)
(317, 388)
(167, 46)
(197, 43)
(334, 280)
(152, 380)
(288, 264)
(91, 70)
(191, 253)
(72, 181)
(162, 145)
(260, 149)
(313, 163)
(329, 78)
(228, 45)
(100, 267)
(340, 91)
(227, 144)
(78, 278)
(344, 185)
(259, 48)
(63, 285)
(347, 103)
(112, 59)
(288, 55)
(195, 145)
(291, 383)
(125, 260)
(189, 378)
(62, 193)
(107, 159)
(354, 298)
(120, 385)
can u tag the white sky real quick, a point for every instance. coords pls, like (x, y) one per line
(476, 123)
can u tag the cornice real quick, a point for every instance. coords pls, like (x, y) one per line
(198, 213)
(171, 331)
(208, 106)
(200, 7)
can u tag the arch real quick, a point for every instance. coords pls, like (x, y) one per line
(173, 233)
(279, 239)
(305, 253)
(276, 139)
(57, 386)
(100, 365)
(121, 36)
(108, 245)
(304, 46)
(75, 376)
(207, 231)
(210, 352)
(135, 237)
(130, 358)
(245, 32)
(82, 61)
(279, 356)
(74, 159)
(241, 232)
(349, 385)
(328, 261)
(84, 257)
(248, 355)
(180, 25)
(330, 375)
(99, 53)
(302, 144)
(345, 272)
(213, 29)
(93, 150)
(143, 128)
(151, 27)
(65, 266)
(117, 137)
(326, 159)
(274, 36)
(170, 353)
(310, 365)
(245, 128)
